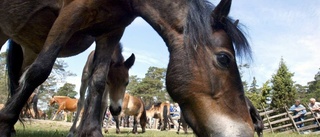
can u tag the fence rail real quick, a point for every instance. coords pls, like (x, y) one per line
(283, 120)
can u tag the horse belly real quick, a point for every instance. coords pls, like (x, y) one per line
(26, 26)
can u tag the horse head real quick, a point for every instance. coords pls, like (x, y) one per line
(118, 79)
(210, 93)
(52, 101)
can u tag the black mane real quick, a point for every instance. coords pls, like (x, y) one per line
(200, 25)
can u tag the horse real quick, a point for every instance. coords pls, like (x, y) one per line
(65, 103)
(184, 125)
(33, 99)
(256, 118)
(132, 106)
(202, 41)
(118, 79)
(160, 111)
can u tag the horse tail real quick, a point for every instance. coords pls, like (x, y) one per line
(14, 64)
(165, 116)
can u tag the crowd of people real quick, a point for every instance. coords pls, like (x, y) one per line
(299, 110)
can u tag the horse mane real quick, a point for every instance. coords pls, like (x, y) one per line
(200, 25)
(117, 57)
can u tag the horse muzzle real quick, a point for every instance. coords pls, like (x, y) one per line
(115, 111)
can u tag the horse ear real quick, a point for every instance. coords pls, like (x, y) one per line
(221, 11)
(130, 61)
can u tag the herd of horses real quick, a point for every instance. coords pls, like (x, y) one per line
(202, 74)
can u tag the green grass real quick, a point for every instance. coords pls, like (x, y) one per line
(48, 128)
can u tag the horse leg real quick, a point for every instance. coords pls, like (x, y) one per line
(65, 116)
(104, 105)
(105, 45)
(55, 115)
(117, 119)
(84, 84)
(61, 31)
(135, 125)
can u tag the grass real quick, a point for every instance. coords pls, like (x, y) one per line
(48, 128)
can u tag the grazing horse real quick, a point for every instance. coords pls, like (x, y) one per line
(160, 111)
(118, 79)
(202, 74)
(132, 106)
(65, 103)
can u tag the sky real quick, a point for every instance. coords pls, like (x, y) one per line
(276, 29)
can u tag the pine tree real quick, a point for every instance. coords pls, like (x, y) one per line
(254, 86)
(265, 93)
(314, 87)
(283, 91)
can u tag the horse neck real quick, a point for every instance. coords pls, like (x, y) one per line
(171, 24)
(60, 100)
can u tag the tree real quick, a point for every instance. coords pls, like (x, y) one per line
(151, 87)
(314, 87)
(241, 70)
(67, 90)
(284, 92)
(265, 93)
(254, 87)
(49, 88)
(3, 78)
(133, 83)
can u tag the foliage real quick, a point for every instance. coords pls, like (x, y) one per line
(314, 87)
(151, 87)
(283, 91)
(3, 78)
(254, 87)
(265, 93)
(259, 98)
(241, 69)
(67, 90)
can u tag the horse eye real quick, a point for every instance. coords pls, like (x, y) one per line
(127, 83)
(223, 60)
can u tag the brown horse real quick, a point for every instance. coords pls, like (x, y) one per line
(118, 79)
(160, 111)
(132, 106)
(184, 125)
(33, 99)
(65, 103)
(202, 74)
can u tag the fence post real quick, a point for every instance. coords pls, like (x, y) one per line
(292, 120)
(313, 114)
(264, 109)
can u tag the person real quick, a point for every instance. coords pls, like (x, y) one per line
(298, 110)
(176, 109)
(315, 108)
(175, 114)
(171, 110)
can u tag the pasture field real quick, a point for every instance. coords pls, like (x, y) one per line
(48, 128)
